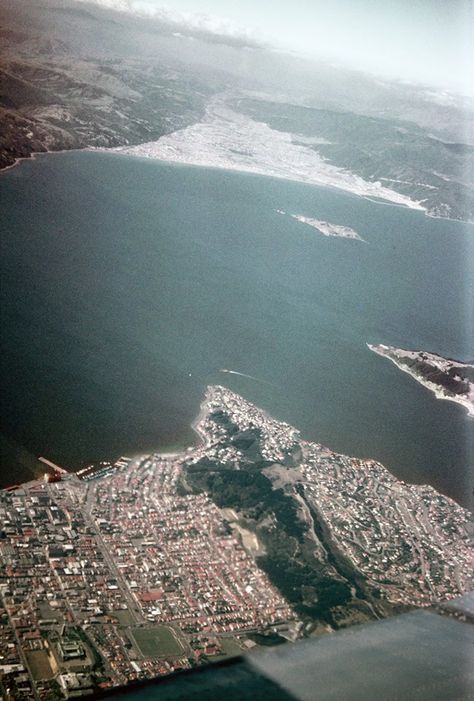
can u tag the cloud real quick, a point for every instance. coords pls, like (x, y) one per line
(189, 21)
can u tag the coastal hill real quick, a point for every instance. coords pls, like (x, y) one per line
(249, 539)
(341, 538)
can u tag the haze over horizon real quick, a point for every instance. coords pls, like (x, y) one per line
(425, 41)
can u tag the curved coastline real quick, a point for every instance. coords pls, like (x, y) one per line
(35, 154)
(232, 141)
(120, 150)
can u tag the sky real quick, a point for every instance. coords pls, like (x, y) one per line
(427, 41)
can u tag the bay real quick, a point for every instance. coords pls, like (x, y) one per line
(127, 285)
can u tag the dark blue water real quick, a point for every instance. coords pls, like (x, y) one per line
(128, 284)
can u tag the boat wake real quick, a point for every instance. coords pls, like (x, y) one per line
(243, 374)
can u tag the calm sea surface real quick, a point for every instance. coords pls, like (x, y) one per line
(126, 285)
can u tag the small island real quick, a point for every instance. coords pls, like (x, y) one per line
(446, 378)
(326, 228)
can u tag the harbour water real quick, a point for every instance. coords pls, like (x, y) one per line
(127, 285)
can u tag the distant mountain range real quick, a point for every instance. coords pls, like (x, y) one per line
(77, 75)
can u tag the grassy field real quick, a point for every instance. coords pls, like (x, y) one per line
(39, 664)
(125, 618)
(157, 641)
(230, 647)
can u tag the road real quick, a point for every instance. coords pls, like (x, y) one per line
(132, 605)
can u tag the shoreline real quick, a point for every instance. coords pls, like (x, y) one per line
(168, 455)
(114, 151)
(335, 188)
(195, 423)
(35, 154)
(278, 176)
(203, 443)
(431, 386)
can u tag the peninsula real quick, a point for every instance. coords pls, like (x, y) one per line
(134, 569)
(446, 378)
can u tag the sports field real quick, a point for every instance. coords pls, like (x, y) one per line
(38, 662)
(157, 641)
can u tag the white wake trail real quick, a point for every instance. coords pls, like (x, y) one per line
(243, 374)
